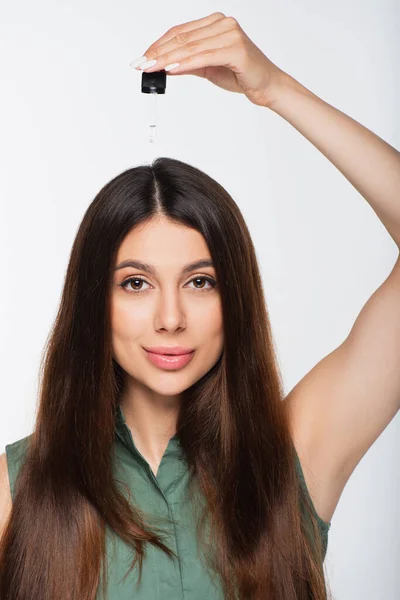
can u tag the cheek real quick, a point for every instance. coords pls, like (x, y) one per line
(212, 319)
(126, 328)
(128, 323)
(210, 333)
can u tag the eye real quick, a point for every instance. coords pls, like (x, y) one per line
(212, 283)
(125, 284)
(209, 280)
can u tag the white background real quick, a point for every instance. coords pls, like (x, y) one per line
(73, 117)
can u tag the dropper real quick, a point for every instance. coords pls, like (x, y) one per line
(153, 126)
(153, 84)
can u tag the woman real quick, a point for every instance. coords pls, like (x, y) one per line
(149, 476)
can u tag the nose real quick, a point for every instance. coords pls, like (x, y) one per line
(170, 312)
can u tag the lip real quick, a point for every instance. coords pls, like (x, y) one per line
(169, 363)
(169, 350)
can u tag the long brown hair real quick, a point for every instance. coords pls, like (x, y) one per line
(233, 426)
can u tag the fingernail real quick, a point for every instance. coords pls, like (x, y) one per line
(148, 64)
(138, 61)
(171, 66)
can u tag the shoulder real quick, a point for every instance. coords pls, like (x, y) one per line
(5, 492)
(14, 458)
(18, 448)
(10, 463)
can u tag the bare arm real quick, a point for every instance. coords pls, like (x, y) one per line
(369, 163)
(347, 400)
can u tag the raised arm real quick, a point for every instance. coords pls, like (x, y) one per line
(345, 402)
(369, 163)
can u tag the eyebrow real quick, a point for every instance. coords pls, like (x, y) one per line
(137, 264)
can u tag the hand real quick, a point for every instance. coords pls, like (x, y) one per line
(216, 48)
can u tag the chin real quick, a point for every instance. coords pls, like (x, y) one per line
(169, 383)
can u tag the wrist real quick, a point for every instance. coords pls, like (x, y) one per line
(283, 88)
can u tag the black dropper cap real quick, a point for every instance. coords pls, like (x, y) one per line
(155, 82)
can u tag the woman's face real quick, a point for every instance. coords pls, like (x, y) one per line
(169, 308)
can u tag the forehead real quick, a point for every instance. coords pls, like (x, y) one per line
(162, 242)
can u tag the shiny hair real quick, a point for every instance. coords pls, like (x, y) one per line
(233, 424)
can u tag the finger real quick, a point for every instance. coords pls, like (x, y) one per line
(183, 39)
(185, 55)
(225, 56)
(197, 72)
(185, 28)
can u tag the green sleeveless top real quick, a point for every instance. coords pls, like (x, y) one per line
(162, 496)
